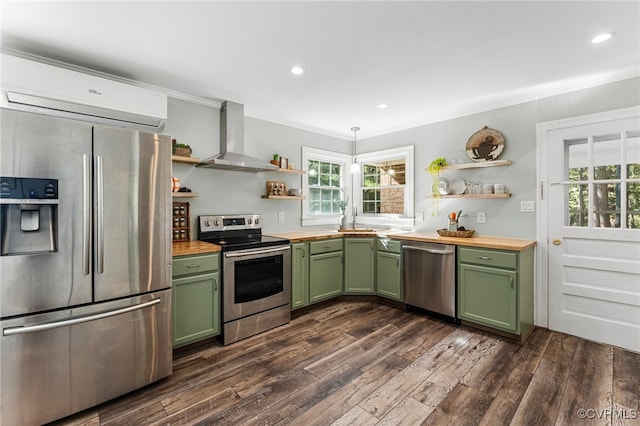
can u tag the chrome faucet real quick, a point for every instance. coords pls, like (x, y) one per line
(355, 212)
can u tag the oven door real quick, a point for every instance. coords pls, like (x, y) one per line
(255, 280)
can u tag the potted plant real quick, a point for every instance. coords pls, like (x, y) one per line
(434, 170)
(181, 149)
(275, 160)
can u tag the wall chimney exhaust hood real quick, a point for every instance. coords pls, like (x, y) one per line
(232, 156)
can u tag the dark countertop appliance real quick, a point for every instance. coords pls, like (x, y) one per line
(256, 274)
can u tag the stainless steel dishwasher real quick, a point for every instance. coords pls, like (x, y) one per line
(428, 273)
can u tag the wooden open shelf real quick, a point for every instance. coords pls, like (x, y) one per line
(478, 165)
(291, 171)
(283, 197)
(186, 160)
(507, 195)
(184, 194)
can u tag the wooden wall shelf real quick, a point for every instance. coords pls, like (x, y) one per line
(186, 160)
(291, 171)
(282, 197)
(478, 165)
(507, 195)
(184, 194)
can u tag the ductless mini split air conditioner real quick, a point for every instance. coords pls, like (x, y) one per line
(42, 88)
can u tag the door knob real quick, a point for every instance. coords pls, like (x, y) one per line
(557, 242)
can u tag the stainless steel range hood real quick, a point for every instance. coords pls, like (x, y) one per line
(232, 156)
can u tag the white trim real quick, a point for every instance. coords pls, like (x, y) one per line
(541, 293)
(406, 220)
(323, 155)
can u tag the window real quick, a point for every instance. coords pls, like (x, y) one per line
(603, 174)
(384, 189)
(325, 183)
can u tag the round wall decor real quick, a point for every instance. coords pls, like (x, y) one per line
(485, 145)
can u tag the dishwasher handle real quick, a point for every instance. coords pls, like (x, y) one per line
(447, 251)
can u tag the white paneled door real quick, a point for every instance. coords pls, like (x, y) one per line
(593, 228)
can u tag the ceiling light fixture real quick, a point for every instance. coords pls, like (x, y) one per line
(297, 70)
(602, 37)
(383, 106)
(355, 167)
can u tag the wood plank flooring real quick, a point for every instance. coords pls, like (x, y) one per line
(365, 363)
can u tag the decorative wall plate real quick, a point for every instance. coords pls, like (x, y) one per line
(485, 145)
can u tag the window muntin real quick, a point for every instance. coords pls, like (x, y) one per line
(603, 178)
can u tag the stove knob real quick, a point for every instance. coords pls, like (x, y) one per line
(257, 221)
(216, 222)
(207, 222)
(250, 221)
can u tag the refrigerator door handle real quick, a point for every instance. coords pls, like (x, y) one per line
(100, 214)
(48, 326)
(86, 214)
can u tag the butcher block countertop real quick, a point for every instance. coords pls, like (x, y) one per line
(474, 241)
(501, 243)
(185, 248)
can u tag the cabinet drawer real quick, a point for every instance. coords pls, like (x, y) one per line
(325, 246)
(186, 265)
(488, 257)
(390, 246)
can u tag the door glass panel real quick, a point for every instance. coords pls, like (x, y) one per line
(633, 205)
(578, 196)
(607, 152)
(577, 159)
(633, 155)
(606, 212)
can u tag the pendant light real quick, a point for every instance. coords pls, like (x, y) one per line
(355, 167)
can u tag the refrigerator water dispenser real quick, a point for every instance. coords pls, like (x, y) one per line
(28, 216)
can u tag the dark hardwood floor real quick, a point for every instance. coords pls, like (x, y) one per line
(365, 363)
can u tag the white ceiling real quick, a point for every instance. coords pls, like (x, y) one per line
(428, 60)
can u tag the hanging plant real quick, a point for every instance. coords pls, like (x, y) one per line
(434, 170)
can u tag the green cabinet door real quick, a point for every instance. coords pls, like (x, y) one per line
(389, 275)
(325, 276)
(488, 296)
(359, 266)
(299, 275)
(196, 315)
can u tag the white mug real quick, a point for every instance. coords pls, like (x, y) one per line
(499, 188)
(488, 189)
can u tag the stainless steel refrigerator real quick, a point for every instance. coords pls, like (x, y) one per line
(85, 265)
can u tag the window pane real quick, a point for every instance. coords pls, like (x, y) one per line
(314, 194)
(606, 212)
(577, 159)
(392, 200)
(370, 194)
(578, 203)
(633, 155)
(633, 205)
(371, 207)
(606, 157)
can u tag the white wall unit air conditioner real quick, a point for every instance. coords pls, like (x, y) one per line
(37, 87)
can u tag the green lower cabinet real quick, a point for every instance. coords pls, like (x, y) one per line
(495, 289)
(488, 296)
(389, 275)
(299, 275)
(325, 274)
(196, 298)
(359, 266)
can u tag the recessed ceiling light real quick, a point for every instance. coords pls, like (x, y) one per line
(602, 37)
(297, 70)
(382, 106)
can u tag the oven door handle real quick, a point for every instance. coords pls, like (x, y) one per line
(241, 253)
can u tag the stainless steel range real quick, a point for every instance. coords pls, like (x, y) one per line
(256, 290)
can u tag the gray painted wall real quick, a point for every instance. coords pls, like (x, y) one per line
(239, 192)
